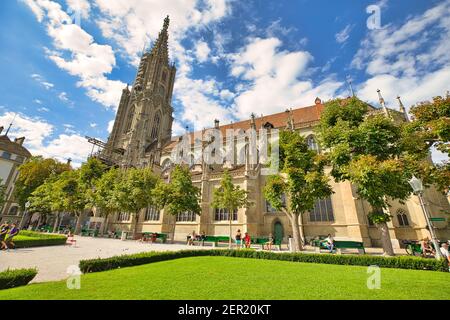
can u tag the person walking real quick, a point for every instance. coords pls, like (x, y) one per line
(13, 231)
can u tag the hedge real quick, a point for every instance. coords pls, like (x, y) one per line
(401, 262)
(27, 239)
(16, 278)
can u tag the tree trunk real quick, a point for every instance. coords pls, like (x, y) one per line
(56, 223)
(135, 223)
(231, 230)
(301, 230)
(174, 225)
(80, 216)
(386, 239)
(296, 233)
(105, 224)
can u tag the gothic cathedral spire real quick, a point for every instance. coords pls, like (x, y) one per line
(143, 123)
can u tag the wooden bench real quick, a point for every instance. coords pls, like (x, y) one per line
(339, 245)
(262, 242)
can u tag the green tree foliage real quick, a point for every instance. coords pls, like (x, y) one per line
(231, 197)
(431, 121)
(70, 195)
(103, 198)
(134, 191)
(179, 195)
(33, 173)
(373, 152)
(301, 180)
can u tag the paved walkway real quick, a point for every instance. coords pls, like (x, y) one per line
(52, 262)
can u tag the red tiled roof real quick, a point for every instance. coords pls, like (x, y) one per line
(278, 120)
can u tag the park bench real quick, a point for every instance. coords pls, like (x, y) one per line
(214, 240)
(159, 236)
(339, 245)
(89, 232)
(262, 242)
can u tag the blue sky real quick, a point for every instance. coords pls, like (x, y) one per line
(64, 63)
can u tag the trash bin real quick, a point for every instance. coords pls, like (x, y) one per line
(124, 236)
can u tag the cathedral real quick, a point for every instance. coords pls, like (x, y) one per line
(142, 136)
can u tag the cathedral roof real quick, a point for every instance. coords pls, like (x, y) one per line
(301, 116)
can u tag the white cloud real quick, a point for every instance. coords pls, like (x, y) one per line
(63, 97)
(37, 101)
(39, 140)
(43, 109)
(110, 126)
(202, 51)
(47, 85)
(81, 7)
(93, 125)
(344, 34)
(410, 59)
(86, 59)
(273, 78)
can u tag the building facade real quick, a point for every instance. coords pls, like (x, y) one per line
(12, 155)
(142, 137)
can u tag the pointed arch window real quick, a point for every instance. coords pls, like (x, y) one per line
(156, 125)
(402, 218)
(130, 119)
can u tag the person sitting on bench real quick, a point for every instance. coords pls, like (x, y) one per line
(426, 247)
(329, 242)
(270, 242)
(191, 238)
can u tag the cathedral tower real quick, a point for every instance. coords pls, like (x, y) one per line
(143, 123)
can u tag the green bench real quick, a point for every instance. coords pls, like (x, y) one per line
(159, 236)
(89, 232)
(262, 242)
(214, 240)
(339, 245)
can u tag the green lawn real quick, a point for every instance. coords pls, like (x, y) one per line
(239, 278)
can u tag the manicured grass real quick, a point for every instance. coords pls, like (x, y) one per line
(238, 278)
(27, 239)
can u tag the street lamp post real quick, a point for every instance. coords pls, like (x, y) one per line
(22, 221)
(417, 187)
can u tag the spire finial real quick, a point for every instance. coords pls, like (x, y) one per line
(382, 103)
(349, 81)
(10, 125)
(402, 108)
(166, 22)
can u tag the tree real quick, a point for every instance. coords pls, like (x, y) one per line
(44, 201)
(373, 152)
(33, 173)
(89, 172)
(179, 195)
(431, 120)
(69, 195)
(230, 197)
(134, 192)
(301, 181)
(103, 197)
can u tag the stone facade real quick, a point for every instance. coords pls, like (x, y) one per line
(12, 155)
(142, 137)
